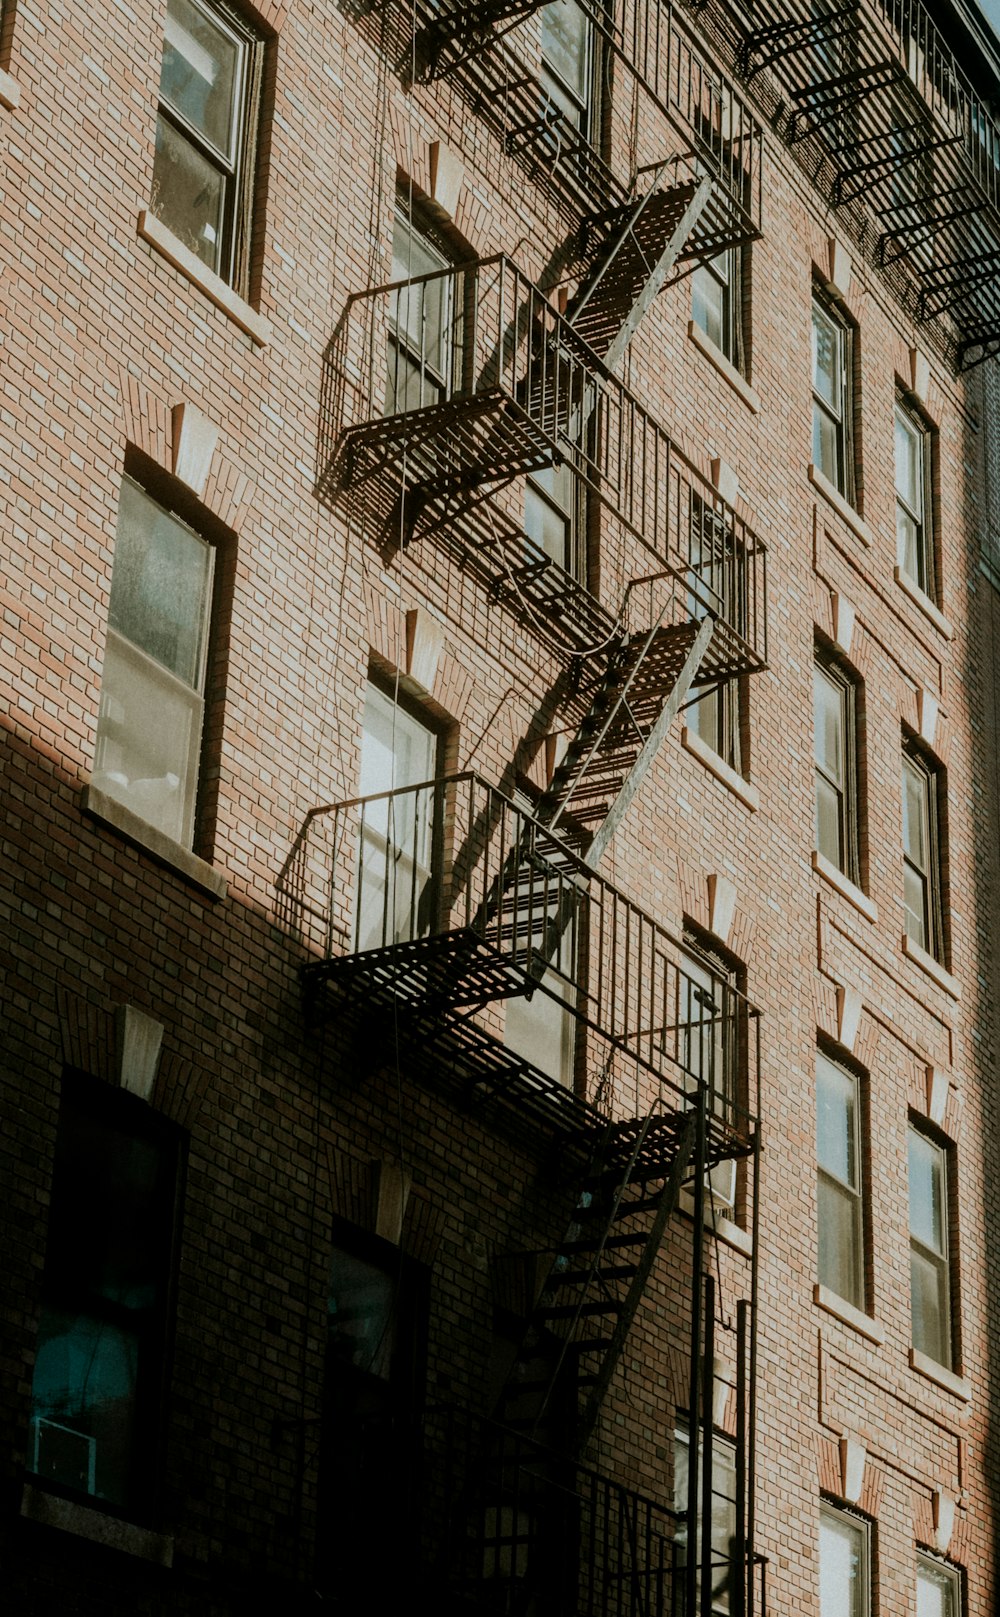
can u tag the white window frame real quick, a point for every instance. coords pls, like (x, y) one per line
(838, 413)
(847, 1525)
(918, 517)
(935, 1259)
(844, 785)
(941, 1578)
(236, 166)
(847, 1191)
(175, 819)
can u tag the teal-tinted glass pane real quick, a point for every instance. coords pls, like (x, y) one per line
(160, 586)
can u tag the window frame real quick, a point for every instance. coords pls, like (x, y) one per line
(940, 1260)
(581, 113)
(927, 776)
(862, 1528)
(435, 380)
(722, 1444)
(238, 167)
(944, 1576)
(842, 419)
(846, 791)
(729, 280)
(922, 519)
(101, 1104)
(855, 1192)
(120, 648)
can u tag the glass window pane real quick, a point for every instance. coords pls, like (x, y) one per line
(547, 526)
(926, 1178)
(827, 360)
(200, 73)
(148, 741)
(937, 1591)
(929, 1307)
(836, 1122)
(565, 46)
(839, 1256)
(188, 193)
(909, 551)
(361, 1315)
(708, 303)
(419, 313)
(829, 839)
(160, 586)
(829, 709)
(909, 459)
(826, 445)
(915, 814)
(842, 1570)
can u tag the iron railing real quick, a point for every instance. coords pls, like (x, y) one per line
(692, 115)
(517, 1522)
(412, 873)
(904, 133)
(485, 382)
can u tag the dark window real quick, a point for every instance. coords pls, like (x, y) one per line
(374, 1383)
(839, 1206)
(835, 742)
(922, 853)
(99, 1368)
(833, 388)
(149, 727)
(206, 133)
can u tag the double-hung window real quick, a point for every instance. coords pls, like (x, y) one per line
(939, 1590)
(395, 889)
(839, 1211)
(567, 62)
(98, 1379)
(421, 335)
(723, 1527)
(149, 727)
(930, 1266)
(835, 743)
(844, 1565)
(715, 302)
(552, 515)
(716, 583)
(914, 532)
(922, 854)
(832, 399)
(206, 134)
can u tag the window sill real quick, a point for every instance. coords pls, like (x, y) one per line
(924, 602)
(843, 884)
(719, 1225)
(214, 287)
(99, 806)
(933, 968)
(717, 766)
(725, 367)
(51, 1510)
(10, 92)
(941, 1377)
(865, 1326)
(834, 497)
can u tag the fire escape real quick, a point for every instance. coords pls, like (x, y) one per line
(883, 115)
(451, 903)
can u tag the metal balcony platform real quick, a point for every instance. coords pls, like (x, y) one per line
(456, 969)
(463, 443)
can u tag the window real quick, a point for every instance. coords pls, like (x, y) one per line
(206, 133)
(930, 1271)
(835, 743)
(709, 1017)
(552, 515)
(98, 1377)
(844, 1576)
(149, 725)
(839, 1213)
(914, 534)
(939, 1592)
(715, 302)
(921, 854)
(394, 894)
(832, 397)
(725, 1560)
(542, 1029)
(421, 336)
(374, 1380)
(567, 62)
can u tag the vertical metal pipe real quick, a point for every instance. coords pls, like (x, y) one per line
(694, 1367)
(707, 1437)
(743, 1560)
